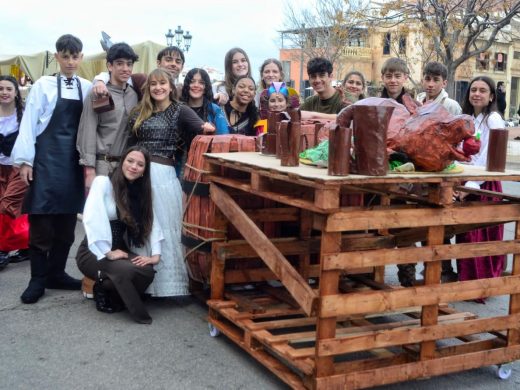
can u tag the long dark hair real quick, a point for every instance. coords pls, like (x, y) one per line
(467, 108)
(122, 196)
(207, 96)
(229, 78)
(18, 102)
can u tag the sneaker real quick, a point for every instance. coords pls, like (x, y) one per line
(87, 287)
(19, 256)
(4, 260)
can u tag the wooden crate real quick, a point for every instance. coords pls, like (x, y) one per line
(341, 330)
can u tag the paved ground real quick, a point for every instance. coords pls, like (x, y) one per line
(62, 342)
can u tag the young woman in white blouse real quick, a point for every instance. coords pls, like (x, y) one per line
(480, 102)
(123, 240)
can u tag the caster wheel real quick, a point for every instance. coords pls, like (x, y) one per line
(214, 332)
(504, 371)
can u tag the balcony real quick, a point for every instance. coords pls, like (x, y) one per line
(356, 52)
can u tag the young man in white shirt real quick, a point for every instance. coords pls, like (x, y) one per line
(45, 151)
(434, 80)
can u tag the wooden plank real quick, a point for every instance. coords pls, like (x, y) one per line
(272, 257)
(367, 330)
(378, 301)
(414, 334)
(421, 369)
(432, 275)
(274, 214)
(252, 161)
(270, 362)
(240, 249)
(513, 335)
(329, 285)
(493, 194)
(371, 258)
(246, 275)
(217, 278)
(288, 246)
(245, 303)
(281, 198)
(352, 220)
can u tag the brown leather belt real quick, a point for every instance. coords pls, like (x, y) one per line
(108, 158)
(163, 160)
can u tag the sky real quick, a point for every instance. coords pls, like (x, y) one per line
(216, 26)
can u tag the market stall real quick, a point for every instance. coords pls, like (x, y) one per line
(316, 310)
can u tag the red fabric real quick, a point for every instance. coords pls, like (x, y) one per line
(12, 190)
(484, 266)
(14, 233)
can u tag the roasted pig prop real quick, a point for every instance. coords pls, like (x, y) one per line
(432, 136)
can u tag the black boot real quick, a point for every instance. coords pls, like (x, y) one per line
(57, 278)
(406, 274)
(36, 287)
(448, 273)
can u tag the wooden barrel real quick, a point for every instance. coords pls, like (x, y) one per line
(199, 211)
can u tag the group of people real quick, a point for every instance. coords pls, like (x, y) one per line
(123, 140)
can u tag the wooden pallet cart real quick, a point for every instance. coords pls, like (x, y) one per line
(317, 311)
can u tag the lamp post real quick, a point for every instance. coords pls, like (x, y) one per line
(183, 40)
(302, 86)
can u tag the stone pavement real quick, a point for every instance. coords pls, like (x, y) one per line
(62, 342)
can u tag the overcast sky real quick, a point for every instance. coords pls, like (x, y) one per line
(31, 26)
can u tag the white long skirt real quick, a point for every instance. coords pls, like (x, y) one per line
(171, 278)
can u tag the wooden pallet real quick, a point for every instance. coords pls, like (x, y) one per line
(283, 338)
(348, 329)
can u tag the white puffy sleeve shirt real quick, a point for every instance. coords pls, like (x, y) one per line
(100, 209)
(482, 125)
(38, 113)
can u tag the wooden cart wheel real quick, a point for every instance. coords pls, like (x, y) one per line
(214, 332)
(504, 371)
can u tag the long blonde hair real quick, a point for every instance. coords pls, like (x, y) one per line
(146, 106)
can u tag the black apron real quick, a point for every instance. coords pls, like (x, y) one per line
(58, 181)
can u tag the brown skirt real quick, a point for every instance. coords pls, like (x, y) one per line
(121, 277)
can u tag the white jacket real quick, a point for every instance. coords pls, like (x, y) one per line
(449, 104)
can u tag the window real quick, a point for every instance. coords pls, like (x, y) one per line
(516, 55)
(483, 61)
(286, 68)
(386, 44)
(500, 62)
(402, 45)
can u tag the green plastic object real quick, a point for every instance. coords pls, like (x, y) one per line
(318, 153)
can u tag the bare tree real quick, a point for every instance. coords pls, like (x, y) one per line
(457, 30)
(324, 29)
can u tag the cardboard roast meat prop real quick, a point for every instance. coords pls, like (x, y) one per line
(431, 137)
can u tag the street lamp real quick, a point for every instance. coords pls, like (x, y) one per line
(183, 40)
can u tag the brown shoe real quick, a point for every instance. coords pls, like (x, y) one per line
(87, 287)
